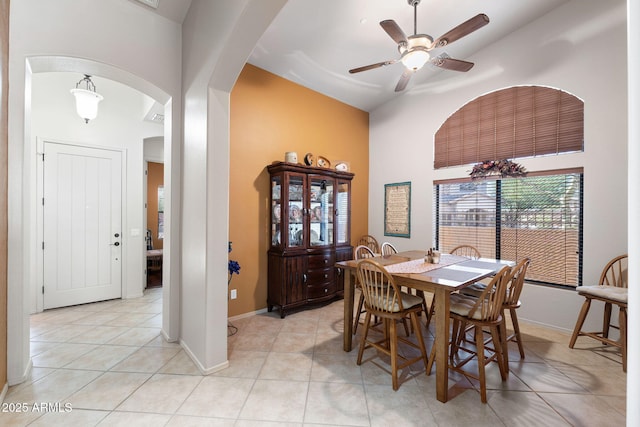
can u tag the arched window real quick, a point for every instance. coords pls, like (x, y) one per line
(538, 216)
(521, 121)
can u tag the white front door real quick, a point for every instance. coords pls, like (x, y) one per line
(82, 224)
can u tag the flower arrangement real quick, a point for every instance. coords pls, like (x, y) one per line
(504, 168)
(234, 267)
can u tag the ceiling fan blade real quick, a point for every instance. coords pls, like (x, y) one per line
(462, 30)
(404, 79)
(372, 66)
(452, 64)
(396, 33)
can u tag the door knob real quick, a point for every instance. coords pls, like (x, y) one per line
(117, 235)
(116, 244)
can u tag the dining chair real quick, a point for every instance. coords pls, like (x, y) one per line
(612, 290)
(466, 251)
(388, 249)
(515, 283)
(482, 312)
(384, 299)
(370, 242)
(362, 252)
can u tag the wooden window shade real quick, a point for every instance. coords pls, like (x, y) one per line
(522, 121)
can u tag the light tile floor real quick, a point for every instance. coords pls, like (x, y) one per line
(109, 364)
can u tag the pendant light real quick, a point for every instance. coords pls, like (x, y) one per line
(87, 99)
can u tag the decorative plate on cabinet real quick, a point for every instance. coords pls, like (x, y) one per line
(342, 166)
(308, 159)
(323, 162)
(295, 214)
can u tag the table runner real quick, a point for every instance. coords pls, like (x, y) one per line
(417, 266)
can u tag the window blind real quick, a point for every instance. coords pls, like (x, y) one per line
(466, 215)
(539, 217)
(521, 121)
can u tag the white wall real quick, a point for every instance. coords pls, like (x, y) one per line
(125, 44)
(154, 149)
(633, 349)
(579, 48)
(218, 38)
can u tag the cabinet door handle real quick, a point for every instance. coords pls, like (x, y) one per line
(304, 278)
(339, 271)
(326, 276)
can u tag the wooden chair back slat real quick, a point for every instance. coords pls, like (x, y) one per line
(362, 252)
(388, 249)
(489, 304)
(466, 251)
(381, 294)
(515, 282)
(371, 242)
(615, 272)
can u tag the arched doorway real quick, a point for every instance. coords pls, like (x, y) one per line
(24, 290)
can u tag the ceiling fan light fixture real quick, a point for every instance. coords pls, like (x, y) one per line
(415, 58)
(87, 99)
(420, 40)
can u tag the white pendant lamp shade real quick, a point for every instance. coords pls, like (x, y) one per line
(87, 100)
(415, 59)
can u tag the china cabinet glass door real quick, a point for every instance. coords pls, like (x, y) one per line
(276, 210)
(342, 212)
(295, 210)
(321, 211)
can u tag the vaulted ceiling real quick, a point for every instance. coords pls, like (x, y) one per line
(315, 43)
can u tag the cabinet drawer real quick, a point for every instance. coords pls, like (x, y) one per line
(321, 261)
(319, 276)
(321, 291)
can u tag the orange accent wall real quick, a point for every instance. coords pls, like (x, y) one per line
(155, 179)
(270, 116)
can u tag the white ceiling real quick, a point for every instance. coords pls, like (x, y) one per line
(174, 10)
(315, 43)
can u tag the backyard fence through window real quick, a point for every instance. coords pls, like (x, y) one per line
(539, 217)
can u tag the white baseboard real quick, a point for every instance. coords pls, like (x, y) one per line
(249, 314)
(24, 376)
(202, 369)
(3, 394)
(167, 338)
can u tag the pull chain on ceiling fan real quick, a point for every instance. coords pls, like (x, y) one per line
(414, 50)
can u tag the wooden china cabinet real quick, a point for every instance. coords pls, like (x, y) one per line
(310, 227)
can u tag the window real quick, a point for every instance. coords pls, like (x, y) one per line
(161, 212)
(539, 217)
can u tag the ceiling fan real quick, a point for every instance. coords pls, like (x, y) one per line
(414, 50)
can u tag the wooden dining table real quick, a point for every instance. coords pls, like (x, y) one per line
(452, 274)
